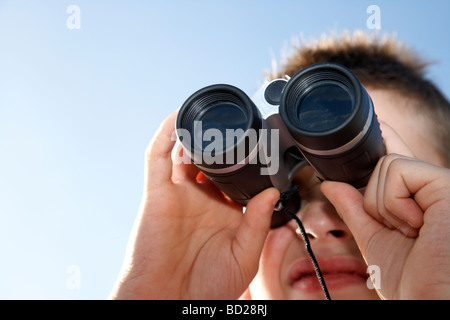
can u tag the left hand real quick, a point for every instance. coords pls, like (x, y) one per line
(402, 223)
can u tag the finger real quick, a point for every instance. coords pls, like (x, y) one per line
(393, 198)
(255, 226)
(402, 181)
(378, 198)
(374, 192)
(370, 201)
(393, 142)
(386, 217)
(158, 165)
(183, 168)
(348, 203)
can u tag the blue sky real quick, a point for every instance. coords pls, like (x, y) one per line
(78, 107)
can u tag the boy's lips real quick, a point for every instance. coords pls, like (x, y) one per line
(337, 271)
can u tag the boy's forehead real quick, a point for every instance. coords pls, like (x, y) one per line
(415, 128)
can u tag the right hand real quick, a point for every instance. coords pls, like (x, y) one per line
(189, 241)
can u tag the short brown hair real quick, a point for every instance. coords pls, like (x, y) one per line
(379, 63)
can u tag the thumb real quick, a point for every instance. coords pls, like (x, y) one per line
(255, 226)
(349, 204)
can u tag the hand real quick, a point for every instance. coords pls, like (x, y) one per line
(402, 223)
(189, 241)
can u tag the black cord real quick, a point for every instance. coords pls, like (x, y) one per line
(310, 252)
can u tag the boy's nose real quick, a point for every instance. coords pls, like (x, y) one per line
(322, 222)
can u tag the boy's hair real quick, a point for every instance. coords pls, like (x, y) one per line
(379, 64)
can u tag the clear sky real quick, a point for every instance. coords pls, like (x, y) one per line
(79, 106)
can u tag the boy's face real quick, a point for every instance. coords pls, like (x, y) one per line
(285, 268)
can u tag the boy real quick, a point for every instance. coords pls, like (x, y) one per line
(190, 242)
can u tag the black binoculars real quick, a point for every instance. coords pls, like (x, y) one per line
(322, 116)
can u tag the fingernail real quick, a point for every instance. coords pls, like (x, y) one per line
(411, 225)
(405, 230)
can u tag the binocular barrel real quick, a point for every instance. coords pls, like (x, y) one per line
(322, 116)
(331, 116)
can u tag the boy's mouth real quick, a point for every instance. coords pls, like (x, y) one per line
(338, 272)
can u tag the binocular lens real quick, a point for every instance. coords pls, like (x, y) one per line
(220, 116)
(326, 106)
